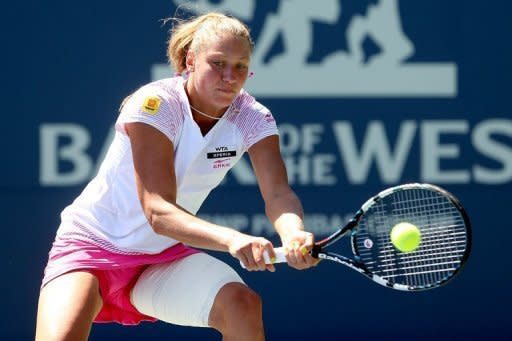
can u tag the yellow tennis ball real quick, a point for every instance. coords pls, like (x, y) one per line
(406, 237)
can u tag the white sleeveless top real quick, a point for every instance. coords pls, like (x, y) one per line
(108, 212)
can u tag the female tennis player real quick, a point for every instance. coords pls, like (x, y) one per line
(127, 247)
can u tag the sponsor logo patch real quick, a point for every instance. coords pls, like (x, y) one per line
(151, 105)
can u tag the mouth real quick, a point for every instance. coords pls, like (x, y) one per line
(226, 90)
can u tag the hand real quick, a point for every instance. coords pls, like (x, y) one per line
(299, 245)
(249, 250)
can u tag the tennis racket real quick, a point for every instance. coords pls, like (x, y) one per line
(445, 238)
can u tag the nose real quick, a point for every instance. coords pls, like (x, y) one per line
(228, 75)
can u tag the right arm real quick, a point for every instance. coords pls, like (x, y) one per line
(153, 159)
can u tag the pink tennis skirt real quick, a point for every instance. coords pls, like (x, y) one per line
(116, 273)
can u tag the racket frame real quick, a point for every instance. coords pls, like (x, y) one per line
(351, 227)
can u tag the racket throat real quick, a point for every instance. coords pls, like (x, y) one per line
(315, 251)
(342, 260)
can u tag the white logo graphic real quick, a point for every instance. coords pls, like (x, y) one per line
(242, 9)
(342, 73)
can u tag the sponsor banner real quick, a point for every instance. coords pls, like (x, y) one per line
(341, 152)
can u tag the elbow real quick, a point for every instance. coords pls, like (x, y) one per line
(160, 215)
(152, 216)
(157, 220)
(157, 213)
(158, 228)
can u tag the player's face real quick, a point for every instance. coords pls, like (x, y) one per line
(220, 71)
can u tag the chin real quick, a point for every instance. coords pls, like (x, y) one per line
(226, 99)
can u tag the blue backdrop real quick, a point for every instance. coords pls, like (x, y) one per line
(367, 94)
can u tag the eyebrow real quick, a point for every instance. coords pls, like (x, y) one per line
(222, 55)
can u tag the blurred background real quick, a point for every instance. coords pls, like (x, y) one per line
(367, 94)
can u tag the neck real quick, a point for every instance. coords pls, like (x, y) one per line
(205, 114)
(188, 91)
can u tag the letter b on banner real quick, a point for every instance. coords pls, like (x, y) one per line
(74, 152)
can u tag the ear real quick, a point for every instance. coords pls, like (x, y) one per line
(189, 61)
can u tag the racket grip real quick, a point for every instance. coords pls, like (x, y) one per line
(280, 257)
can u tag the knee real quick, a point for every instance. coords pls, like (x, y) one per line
(236, 304)
(244, 301)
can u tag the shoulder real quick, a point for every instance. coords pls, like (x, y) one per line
(163, 99)
(168, 90)
(249, 109)
(160, 104)
(253, 120)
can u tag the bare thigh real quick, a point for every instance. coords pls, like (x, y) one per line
(67, 307)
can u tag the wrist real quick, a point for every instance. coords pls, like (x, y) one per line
(228, 237)
(289, 226)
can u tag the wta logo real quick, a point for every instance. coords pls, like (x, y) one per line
(347, 72)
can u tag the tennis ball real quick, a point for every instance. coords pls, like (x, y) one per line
(405, 236)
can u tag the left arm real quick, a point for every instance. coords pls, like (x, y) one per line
(282, 206)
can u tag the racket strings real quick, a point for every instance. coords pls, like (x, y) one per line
(426, 268)
(443, 241)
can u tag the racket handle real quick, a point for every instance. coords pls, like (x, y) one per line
(280, 256)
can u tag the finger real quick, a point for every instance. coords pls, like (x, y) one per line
(301, 250)
(311, 261)
(301, 253)
(269, 250)
(294, 253)
(257, 252)
(310, 241)
(307, 248)
(295, 245)
(242, 258)
(304, 250)
(251, 262)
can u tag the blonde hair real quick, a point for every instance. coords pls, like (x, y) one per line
(194, 34)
